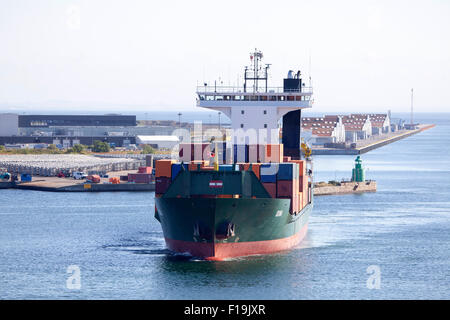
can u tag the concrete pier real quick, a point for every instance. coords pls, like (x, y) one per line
(346, 188)
(85, 187)
(55, 184)
(368, 145)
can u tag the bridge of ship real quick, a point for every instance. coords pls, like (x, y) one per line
(271, 94)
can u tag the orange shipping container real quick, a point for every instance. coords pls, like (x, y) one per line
(94, 178)
(295, 204)
(163, 168)
(300, 201)
(114, 180)
(273, 153)
(255, 168)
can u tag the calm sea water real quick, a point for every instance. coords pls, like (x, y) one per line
(403, 230)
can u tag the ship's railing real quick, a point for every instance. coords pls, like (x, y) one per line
(250, 90)
(286, 96)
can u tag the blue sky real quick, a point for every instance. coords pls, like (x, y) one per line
(149, 55)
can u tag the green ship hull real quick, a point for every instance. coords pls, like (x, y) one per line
(217, 228)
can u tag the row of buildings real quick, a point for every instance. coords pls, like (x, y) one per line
(124, 130)
(351, 128)
(65, 131)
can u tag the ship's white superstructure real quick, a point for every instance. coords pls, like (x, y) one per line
(255, 108)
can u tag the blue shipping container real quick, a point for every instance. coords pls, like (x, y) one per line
(288, 171)
(25, 177)
(268, 172)
(176, 169)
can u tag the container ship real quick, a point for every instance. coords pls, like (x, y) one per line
(248, 192)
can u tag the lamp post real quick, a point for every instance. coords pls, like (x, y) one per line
(219, 119)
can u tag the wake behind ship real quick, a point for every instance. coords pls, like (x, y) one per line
(244, 192)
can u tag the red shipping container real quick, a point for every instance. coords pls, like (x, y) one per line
(145, 170)
(271, 188)
(162, 184)
(285, 188)
(140, 177)
(143, 178)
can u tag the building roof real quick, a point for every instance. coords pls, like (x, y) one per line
(354, 126)
(153, 139)
(322, 132)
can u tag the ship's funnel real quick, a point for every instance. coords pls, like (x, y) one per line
(291, 134)
(292, 121)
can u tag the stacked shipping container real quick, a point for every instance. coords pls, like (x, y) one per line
(281, 180)
(144, 175)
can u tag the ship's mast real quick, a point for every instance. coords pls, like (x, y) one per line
(254, 73)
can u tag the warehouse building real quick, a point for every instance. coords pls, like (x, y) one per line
(66, 130)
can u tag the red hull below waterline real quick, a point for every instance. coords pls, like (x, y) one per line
(221, 251)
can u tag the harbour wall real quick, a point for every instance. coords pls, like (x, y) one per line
(346, 188)
(86, 187)
(371, 146)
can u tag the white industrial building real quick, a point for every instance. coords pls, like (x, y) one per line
(159, 142)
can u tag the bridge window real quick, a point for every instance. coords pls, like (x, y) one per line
(242, 111)
(263, 98)
(273, 98)
(281, 98)
(254, 98)
(298, 98)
